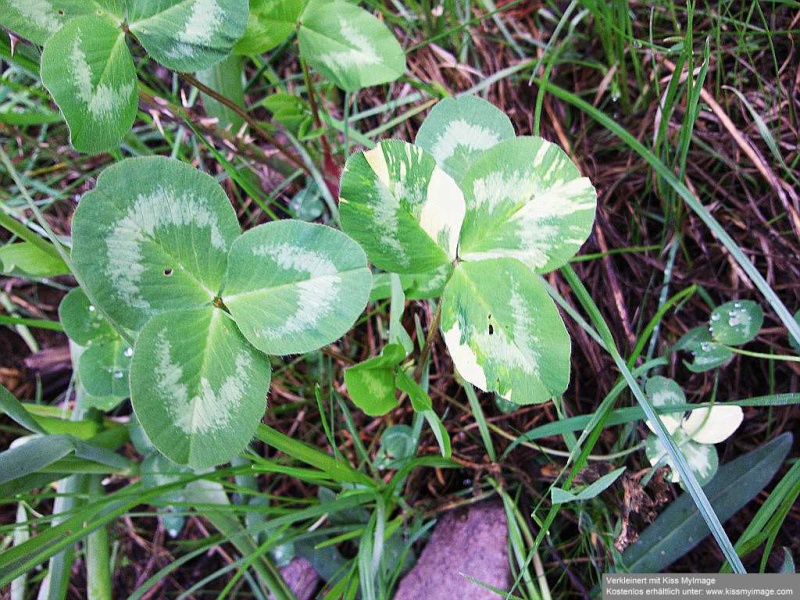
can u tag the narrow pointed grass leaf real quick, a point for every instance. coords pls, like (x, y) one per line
(561, 496)
(29, 260)
(270, 22)
(198, 388)
(737, 322)
(16, 411)
(504, 332)
(420, 400)
(401, 207)
(153, 236)
(681, 527)
(349, 46)
(188, 35)
(293, 287)
(88, 69)
(458, 130)
(36, 453)
(40, 19)
(526, 200)
(794, 340)
(690, 481)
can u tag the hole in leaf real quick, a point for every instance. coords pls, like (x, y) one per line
(60, 13)
(491, 329)
(167, 272)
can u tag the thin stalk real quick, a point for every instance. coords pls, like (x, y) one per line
(252, 122)
(433, 332)
(98, 557)
(763, 355)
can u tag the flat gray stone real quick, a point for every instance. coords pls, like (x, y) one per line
(471, 541)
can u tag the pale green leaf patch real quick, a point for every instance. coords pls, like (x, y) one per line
(663, 392)
(706, 354)
(371, 384)
(293, 287)
(349, 46)
(103, 368)
(82, 322)
(526, 200)
(37, 20)
(188, 35)
(714, 424)
(504, 332)
(198, 388)
(270, 23)
(153, 236)
(89, 71)
(701, 458)
(737, 322)
(401, 207)
(458, 130)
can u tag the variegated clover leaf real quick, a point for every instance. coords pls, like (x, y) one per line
(86, 64)
(158, 248)
(694, 433)
(492, 211)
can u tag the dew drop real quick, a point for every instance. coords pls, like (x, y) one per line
(715, 317)
(129, 352)
(705, 347)
(92, 308)
(737, 305)
(118, 374)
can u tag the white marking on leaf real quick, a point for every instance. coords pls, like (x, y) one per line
(699, 458)
(713, 425)
(498, 187)
(386, 209)
(148, 213)
(38, 12)
(443, 211)
(208, 411)
(204, 21)
(376, 159)
(666, 397)
(464, 358)
(102, 101)
(461, 133)
(361, 54)
(315, 296)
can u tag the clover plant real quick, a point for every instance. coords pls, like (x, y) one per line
(342, 41)
(694, 433)
(731, 324)
(486, 213)
(158, 249)
(89, 70)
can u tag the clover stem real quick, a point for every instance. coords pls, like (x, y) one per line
(433, 332)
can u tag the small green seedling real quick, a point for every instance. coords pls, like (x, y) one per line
(731, 324)
(86, 64)
(486, 212)
(158, 249)
(342, 41)
(694, 433)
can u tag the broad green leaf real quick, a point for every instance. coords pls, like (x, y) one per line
(103, 368)
(270, 23)
(293, 287)
(32, 454)
(736, 323)
(701, 458)
(198, 388)
(28, 259)
(88, 69)
(681, 527)
(349, 46)
(82, 322)
(706, 353)
(662, 393)
(401, 207)
(526, 200)
(713, 425)
(793, 340)
(188, 35)
(458, 130)
(153, 236)
(504, 332)
(37, 20)
(371, 384)
(561, 496)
